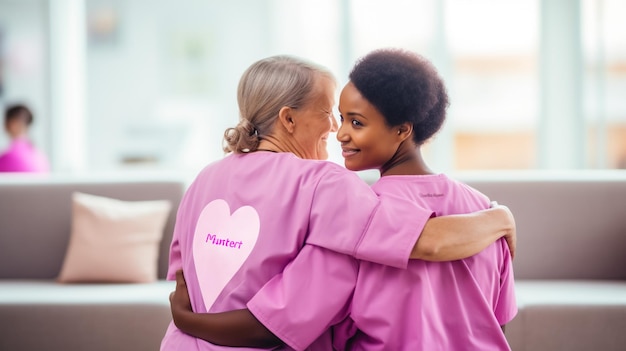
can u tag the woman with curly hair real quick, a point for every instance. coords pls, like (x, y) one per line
(394, 103)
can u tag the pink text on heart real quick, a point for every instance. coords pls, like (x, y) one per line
(223, 242)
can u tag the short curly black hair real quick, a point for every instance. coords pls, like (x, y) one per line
(18, 112)
(404, 87)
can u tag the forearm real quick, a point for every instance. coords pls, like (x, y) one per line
(237, 328)
(455, 237)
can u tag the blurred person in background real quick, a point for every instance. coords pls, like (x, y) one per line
(21, 155)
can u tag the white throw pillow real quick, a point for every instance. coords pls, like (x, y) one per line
(114, 241)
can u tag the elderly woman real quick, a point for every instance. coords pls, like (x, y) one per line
(247, 216)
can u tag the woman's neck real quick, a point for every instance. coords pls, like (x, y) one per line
(408, 160)
(283, 143)
(275, 144)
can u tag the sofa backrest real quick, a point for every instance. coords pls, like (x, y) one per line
(36, 212)
(569, 226)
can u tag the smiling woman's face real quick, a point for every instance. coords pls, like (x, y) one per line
(316, 121)
(366, 140)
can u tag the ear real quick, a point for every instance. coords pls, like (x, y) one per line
(286, 118)
(405, 131)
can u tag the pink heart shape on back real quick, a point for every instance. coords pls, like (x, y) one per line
(221, 244)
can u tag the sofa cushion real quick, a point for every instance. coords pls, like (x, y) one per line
(45, 315)
(573, 315)
(114, 240)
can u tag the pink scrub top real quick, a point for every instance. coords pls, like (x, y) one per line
(245, 217)
(21, 156)
(457, 305)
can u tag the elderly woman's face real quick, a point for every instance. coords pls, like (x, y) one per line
(316, 121)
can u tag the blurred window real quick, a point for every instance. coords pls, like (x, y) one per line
(161, 77)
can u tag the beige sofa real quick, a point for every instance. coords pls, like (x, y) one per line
(570, 268)
(36, 312)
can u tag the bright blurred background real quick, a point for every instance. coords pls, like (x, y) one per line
(150, 85)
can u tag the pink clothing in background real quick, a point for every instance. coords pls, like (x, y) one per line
(245, 217)
(21, 156)
(457, 305)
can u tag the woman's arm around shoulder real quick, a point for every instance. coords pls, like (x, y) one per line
(456, 237)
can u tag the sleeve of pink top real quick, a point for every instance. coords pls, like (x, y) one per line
(175, 260)
(349, 218)
(310, 296)
(175, 256)
(506, 306)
